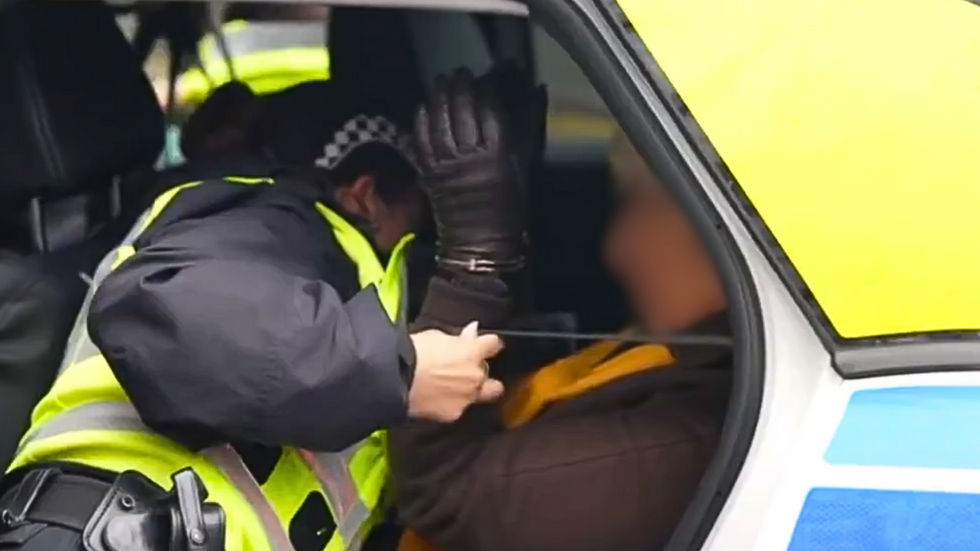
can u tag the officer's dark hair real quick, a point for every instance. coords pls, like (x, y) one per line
(394, 177)
(223, 124)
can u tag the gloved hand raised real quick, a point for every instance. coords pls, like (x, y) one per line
(473, 170)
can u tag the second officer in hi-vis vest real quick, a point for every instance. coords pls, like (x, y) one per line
(246, 344)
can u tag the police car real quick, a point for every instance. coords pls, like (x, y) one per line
(828, 154)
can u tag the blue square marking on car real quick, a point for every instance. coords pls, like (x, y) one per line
(847, 519)
(926, 427)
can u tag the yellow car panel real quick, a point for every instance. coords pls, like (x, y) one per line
(854, 128)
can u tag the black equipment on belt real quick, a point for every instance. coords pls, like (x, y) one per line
(129, 514)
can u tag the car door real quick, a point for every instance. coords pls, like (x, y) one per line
(835, 139)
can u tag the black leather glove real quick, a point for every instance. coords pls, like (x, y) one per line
(525, 108)
(473, 169)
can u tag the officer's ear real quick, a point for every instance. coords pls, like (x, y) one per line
(360, 198)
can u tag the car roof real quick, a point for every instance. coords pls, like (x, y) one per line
(853, 127)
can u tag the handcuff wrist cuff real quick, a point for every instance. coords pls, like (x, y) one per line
(475, 265)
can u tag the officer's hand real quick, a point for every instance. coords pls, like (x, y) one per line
(451, 373)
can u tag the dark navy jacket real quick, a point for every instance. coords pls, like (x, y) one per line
(241, 319)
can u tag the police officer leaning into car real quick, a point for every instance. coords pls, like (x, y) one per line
(246, 344)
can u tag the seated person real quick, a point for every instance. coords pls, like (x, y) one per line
(600, 450)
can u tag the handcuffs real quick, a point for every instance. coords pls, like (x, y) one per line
(135, 515)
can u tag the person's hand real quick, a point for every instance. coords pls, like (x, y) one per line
(525, 107)
(473, 175)
(451, 373)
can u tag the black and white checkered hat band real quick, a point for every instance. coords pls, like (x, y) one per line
(362, 130)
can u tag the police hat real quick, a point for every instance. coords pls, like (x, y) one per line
(319, 123)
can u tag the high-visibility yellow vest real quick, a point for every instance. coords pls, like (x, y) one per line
(268, 56)
(87, 419)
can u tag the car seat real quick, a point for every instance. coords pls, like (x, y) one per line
(79, 122)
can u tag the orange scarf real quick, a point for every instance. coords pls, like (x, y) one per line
(563, 380)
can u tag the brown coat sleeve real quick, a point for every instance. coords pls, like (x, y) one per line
(616, 479)
(600, 476)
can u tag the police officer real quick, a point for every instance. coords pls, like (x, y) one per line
(250, 331)
(270, 47)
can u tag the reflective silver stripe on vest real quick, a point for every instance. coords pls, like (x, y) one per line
(120, 416)
(333, 474)
(350, 512)
(80, 346)
(265, 36)
(230, 463)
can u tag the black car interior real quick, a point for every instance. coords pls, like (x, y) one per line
(73, 148)
(82, 128)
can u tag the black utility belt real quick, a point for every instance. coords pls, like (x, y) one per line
(125, 513)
